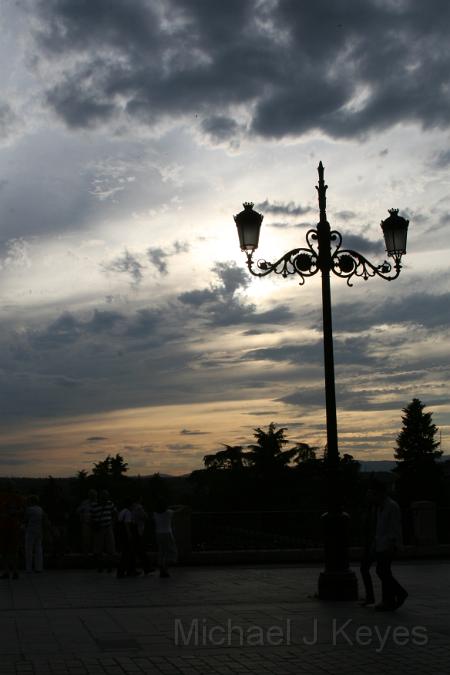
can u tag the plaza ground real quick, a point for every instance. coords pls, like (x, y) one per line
(225, 620)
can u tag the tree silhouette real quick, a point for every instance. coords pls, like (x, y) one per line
(266, 455)
(304, 453)
(416, 454)
(232, 458)
(117, 467)
(101, 469)
(113, 468)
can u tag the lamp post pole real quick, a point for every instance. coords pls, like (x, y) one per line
(324, 253)
(324, 250)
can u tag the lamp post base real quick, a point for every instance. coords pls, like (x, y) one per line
(337, 581)
(338, 586)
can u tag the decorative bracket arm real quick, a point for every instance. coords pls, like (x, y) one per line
(348, 264)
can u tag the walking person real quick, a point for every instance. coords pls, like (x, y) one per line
(102, 516)
(34, 526)
(388, 541)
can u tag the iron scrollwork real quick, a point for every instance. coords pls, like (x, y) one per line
(305, 262)
(301, 261)
(346, 263)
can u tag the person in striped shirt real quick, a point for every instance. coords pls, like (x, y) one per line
(103, 514)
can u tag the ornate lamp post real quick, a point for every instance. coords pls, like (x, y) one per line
(324, 253)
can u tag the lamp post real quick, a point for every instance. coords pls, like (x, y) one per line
(324, 253)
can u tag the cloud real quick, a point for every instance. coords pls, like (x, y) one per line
(136, 449)
(345, 215)
(375, 65)
(158, 256)
(16, 254)
(353, 350)
(282, 208)
(69, 328)
(127, 264)
(8, 121)
(221, 306)
(421, 308)
(441, 160)
(360, 243)
(220, 128)
(96, 439)
(193, 432)
(180, 446)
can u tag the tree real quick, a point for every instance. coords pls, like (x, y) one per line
(231, 458)
(117, 467)
(266, 455)
(305, 453)
(416, 454)
(113, 468)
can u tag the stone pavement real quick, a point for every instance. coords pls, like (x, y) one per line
(224, 620)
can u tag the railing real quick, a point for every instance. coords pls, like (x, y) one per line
(255, 530)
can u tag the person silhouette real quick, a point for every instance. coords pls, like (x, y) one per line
(388, 541)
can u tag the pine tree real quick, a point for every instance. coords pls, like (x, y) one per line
(416, 454)
(416, 441)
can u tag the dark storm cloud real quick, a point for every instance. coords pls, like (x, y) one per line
(344, 68)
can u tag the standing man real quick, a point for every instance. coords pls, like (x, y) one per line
(388, 540)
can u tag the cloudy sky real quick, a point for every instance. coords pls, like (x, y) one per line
(131, 131)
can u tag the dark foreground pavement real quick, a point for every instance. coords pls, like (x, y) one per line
(226, 620)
